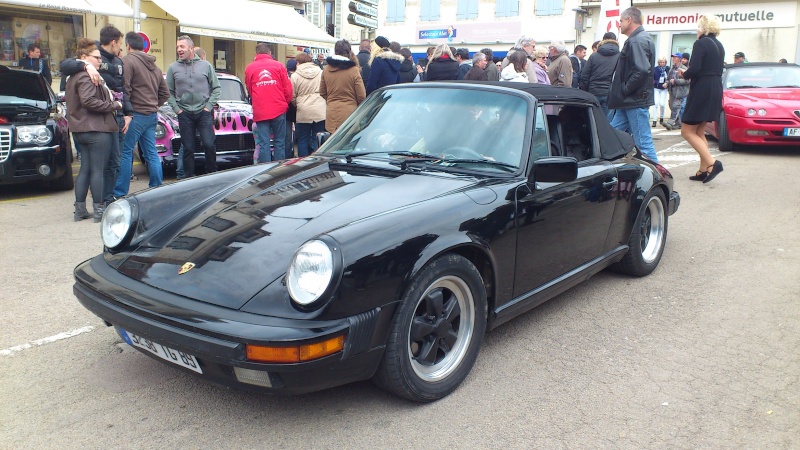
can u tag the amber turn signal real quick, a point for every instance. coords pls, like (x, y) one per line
(306, 352)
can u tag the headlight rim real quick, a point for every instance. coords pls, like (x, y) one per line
(333, 282)
(132, 224)
(163, 130)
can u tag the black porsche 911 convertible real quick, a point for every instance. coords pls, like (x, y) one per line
(436, 212)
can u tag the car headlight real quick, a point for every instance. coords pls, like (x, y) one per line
(35, 134)
(161, 131)
(117, 223)
(310, 272)
(753, 112)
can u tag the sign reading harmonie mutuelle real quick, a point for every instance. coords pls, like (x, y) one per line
(745, 15)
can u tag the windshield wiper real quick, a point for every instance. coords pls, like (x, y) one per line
(349, 157)
(480, 161)
(787, 86)
(744, 87)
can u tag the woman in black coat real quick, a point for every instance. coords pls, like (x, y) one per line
(704, 103)
(442, 65)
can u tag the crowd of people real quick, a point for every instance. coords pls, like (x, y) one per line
(112, 99)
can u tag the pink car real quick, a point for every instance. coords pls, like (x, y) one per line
(233, 126)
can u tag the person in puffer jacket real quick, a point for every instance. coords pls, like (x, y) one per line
(310, 105)
(515, 70)
(384, 65)
(596, 74)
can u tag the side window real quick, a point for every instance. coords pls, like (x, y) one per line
(541, 146)
(578, 135)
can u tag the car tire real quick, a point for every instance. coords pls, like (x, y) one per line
(436, 332)
(724, 139)
(648, 237)
(66, 182)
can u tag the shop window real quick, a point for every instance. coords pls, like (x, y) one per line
(467, 9)
(682, 43)
(429, 10)
(549, 7)
(507, 8)
(396, 11)
(56, 35)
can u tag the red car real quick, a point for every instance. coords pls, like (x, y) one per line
(761, 106)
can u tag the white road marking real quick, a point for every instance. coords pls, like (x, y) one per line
(682, 154)
(48, 340)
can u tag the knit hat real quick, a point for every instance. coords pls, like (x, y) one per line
(685, 56)
(291, 65)
(382, 42)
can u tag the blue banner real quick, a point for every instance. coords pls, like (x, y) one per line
(447, 33)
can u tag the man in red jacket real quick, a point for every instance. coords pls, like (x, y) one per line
(270, 94)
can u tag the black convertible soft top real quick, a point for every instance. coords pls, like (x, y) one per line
(613, 143)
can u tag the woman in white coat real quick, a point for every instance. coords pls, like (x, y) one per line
(310, 105)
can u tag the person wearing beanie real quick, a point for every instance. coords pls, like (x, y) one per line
(382, 42)
(384, 65)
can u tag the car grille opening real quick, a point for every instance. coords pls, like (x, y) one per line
(5, 144)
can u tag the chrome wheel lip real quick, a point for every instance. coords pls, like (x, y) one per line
(653, 235)
(452, 360)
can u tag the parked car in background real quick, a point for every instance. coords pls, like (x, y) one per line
(233, 126)
(761, 106)
(34, 137)
(436, 212)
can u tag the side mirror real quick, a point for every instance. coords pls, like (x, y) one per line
(557, 169)
(322, 136)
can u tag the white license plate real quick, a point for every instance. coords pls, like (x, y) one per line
(794, 132)
(162, 351)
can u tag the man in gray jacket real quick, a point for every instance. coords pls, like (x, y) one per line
(193, 93)
(678, 90)
(631, 92)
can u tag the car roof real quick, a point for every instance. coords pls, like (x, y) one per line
(543, 92)
(760, 64)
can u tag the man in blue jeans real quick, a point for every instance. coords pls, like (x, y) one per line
(146, 90)
(631, 93)
(270, 91)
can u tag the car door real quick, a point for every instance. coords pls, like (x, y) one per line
(562, 226)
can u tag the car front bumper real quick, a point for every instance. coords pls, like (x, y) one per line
(25, 164)
(761, 131)
(217, 336)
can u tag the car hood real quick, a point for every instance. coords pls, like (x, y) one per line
(245, 239)
(783, 98)
(25, 87)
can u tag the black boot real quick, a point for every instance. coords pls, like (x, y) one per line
(80, 212)
(99, 209)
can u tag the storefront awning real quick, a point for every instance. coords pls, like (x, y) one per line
(250, 21)
(100, 7)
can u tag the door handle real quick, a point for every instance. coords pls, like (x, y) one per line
(610, 184)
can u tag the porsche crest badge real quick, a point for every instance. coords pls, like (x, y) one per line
(186, 267)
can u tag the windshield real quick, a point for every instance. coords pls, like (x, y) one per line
(231, 90)
(449, 127)
(762, 77)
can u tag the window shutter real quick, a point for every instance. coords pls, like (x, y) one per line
(473, 9)
(462, 9)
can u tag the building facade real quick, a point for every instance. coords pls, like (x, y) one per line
(229, 32)
(764, 31)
